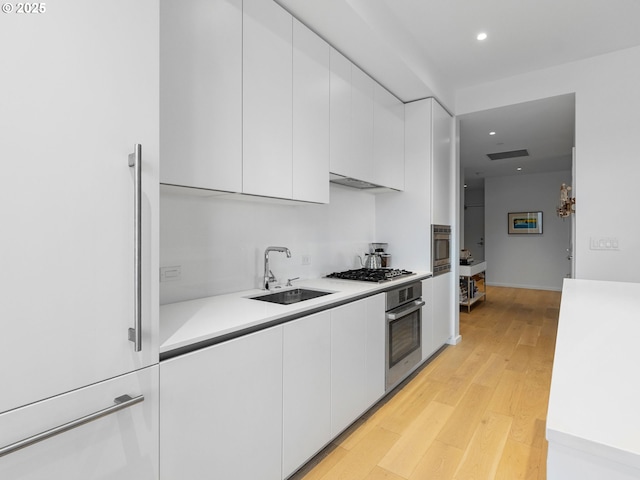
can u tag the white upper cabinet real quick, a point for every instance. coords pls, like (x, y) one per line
(362, 124)
(311, 57)
(367, 127)
(254, 102)
(388, 139)
(442, 178)
(201, 93)
(267, 105)
(340, 126)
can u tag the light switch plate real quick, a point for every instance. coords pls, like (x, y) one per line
(604, 243)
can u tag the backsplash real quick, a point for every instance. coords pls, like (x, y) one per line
(219, 242)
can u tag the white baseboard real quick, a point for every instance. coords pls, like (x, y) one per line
(530, 287)
(454, 340)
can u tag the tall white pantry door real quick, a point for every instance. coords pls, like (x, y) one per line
(79, 88)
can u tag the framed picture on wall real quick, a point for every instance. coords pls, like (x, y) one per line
(525, 223)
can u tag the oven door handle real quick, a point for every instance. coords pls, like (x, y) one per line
(417, 305)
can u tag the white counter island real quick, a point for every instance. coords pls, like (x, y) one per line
(593, 421)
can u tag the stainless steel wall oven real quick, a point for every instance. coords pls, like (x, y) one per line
(440, 249)
(404, 332)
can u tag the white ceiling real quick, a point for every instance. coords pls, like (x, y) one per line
(419, 48)
(545, 128)
(422, 48)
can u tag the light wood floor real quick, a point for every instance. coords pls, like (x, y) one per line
(477, 411)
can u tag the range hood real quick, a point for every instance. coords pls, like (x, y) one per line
(353, 182)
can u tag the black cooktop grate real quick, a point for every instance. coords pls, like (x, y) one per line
(371, 274)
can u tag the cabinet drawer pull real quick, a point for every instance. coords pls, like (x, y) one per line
(120, 403)
(135, 161)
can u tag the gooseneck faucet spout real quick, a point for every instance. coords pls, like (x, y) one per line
(268, 275)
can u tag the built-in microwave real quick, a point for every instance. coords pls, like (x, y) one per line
(440, 249)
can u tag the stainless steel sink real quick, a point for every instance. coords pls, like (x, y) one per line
(287, 297)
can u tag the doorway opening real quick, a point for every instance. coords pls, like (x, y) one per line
(514, 159)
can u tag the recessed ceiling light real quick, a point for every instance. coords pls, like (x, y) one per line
(465, 185)
(482, 36)
(519, 168)
(492, 133)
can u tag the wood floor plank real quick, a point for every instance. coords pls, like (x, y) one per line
(379, 473)
(491, 373)
(530, 335)
(406, 453)
(519, 462)
(439, 463)
(461, 425)
(482, 456)
(400, 419)
(506, 395)
(364, 457)
(319, 466)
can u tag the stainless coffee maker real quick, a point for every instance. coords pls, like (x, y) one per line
(380, 249)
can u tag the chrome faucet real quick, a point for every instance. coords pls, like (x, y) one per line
(268, 274)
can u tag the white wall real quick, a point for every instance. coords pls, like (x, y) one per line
(607, 167)
(526, 261)
(219, 242)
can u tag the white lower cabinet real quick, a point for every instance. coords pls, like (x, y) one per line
(221, 410)
(306, 389)
(442, 309)
(122, 444)
(357, 359)
(428, 344)
(261, 405)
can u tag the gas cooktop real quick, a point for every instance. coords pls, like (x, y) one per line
(377, 275)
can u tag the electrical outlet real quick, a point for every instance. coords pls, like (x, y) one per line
(306, 259)
(170, 274)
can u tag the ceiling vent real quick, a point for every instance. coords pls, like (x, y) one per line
(505, 155)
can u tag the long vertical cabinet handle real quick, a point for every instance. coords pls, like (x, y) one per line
(119, 403)
(135, 161)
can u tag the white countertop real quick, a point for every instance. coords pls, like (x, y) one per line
(193, 321)
(594, 404)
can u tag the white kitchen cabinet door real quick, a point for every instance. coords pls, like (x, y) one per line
(357, 360)
(221, 410)
(362, 124)
(267, 99)
(307, 389)
(348, 364)
(122, 444)
(442, 309)
(201, 93)
(375, 348)
(428, 345)
(442, 189)
(83, 83)
(340, 114)
(388, 139)
(310, 115)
